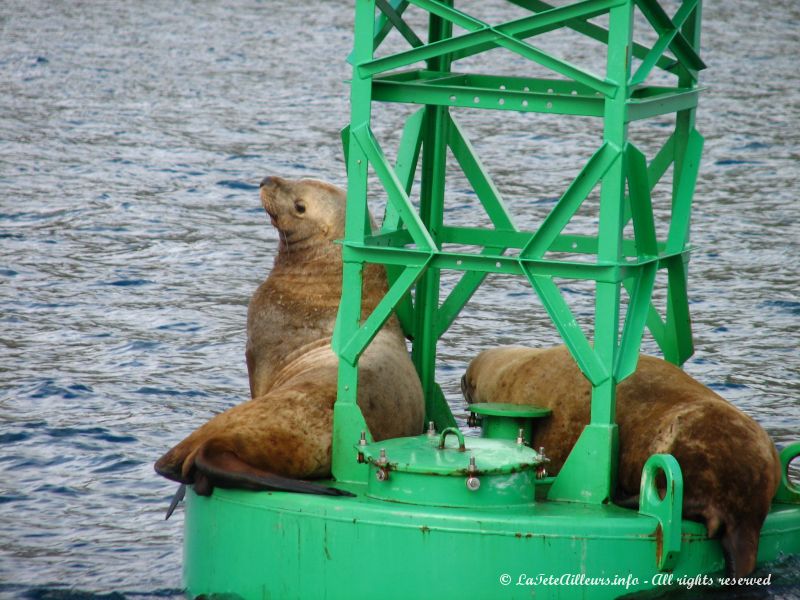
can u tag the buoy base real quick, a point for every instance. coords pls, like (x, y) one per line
(282, 545)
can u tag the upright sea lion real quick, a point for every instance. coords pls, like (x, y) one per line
(284, 432)
(730, 466)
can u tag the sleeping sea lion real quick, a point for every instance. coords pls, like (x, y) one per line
(284, 432)
(730, 466)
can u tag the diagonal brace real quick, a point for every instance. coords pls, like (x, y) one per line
(680, 46)
(505, 35)
(398, 22)
(571, 201)
(665, 40)
(592, 31)
(363, 336)
(394, 187)
(510, 34)
(478, 177)
(562, 317)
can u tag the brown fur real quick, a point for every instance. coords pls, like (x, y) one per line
(730, 466)
(286, 427)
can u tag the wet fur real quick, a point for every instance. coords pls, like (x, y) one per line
(284, 432)
(730, 466)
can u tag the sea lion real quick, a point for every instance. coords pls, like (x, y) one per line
(284, 432)
(730, 466)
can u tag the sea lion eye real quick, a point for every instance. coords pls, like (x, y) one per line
(299, 207)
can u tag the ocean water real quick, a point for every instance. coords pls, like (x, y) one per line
(132, 140)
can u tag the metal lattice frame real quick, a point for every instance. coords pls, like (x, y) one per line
(410, 242)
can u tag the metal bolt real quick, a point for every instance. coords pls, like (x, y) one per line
(473, 483)
(383, 473)
(363, 440)
(431, 428)
(521, 436)
(472, 466)
(541, 469)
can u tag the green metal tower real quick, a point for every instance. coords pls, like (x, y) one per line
(410, 242)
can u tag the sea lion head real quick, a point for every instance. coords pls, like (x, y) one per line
(304, 211)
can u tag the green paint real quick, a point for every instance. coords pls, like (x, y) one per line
(666, 509)
(433, 470)
(257, 545)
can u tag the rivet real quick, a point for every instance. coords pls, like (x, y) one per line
(473, 483)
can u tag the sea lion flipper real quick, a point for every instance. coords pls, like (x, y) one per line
(740, 547)
(250, 358)
(179, 495)
(223, 468)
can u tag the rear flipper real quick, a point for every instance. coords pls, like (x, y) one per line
(179, 495)
(740, 547)
(223, 468)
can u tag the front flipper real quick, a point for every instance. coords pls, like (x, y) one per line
(223, 468)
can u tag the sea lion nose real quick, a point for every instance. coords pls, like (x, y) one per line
(271, 180)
